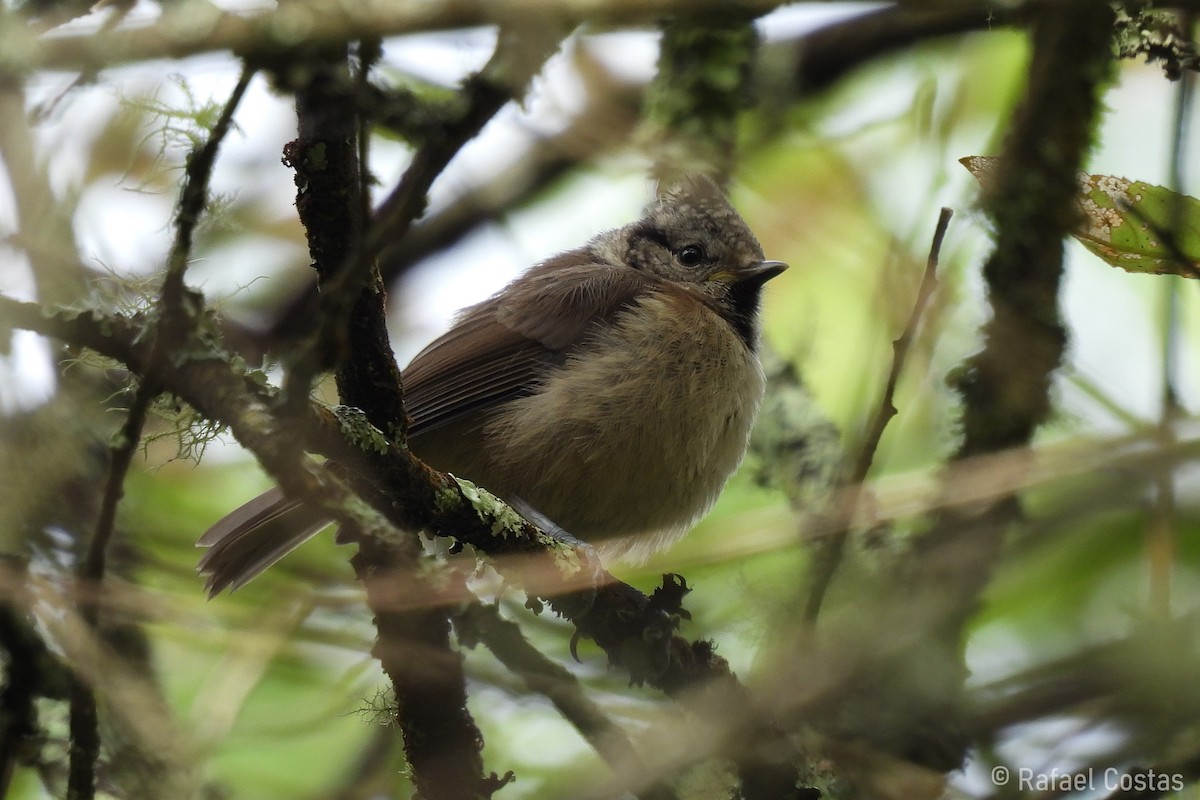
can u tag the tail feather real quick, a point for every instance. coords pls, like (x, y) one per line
(252, 537)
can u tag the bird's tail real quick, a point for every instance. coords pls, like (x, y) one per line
(252, 537)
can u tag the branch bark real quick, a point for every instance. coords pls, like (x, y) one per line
(184, 31)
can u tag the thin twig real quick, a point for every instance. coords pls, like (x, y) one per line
(84, 727)
(191, 204)
(834, 545)
(194, 195)
(370, 50)
(506, 642)
(1006, 387)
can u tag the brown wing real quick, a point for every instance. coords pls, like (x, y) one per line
(498, 350)
(501, 348)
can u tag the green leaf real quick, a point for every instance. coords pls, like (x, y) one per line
(1127, 223)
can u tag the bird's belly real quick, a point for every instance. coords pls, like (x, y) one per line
(636, 435)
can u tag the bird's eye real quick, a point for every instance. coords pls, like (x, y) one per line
(691, 255)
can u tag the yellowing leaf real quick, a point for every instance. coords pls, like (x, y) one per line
(1125, 221)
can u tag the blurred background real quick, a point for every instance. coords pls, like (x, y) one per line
(273, 691)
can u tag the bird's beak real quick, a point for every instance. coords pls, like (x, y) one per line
(761, 272)
(755, 274)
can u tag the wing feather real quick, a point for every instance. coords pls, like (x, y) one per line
(502, 348)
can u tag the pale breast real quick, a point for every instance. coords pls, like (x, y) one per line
(637, 434)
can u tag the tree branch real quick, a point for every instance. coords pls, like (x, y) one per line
(606, 121)
(441, 740)
(819, 59)
(482, 623)
(183, 31)
(635, 631)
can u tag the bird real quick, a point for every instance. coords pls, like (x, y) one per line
(611, 389)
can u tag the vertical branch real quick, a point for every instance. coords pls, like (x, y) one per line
(442, 743)
(329, 201)
(47, 234)
(702, 85)
(352, 293)
(84, 722)
(1006, 386)
(330, 204)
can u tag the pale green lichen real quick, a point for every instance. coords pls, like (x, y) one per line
(494, 512)
(504, 522)
(692, 107)
(191, 430)
(371, 524)
(794, 447)
(355, 426)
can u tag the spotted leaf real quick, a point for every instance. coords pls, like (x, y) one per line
(1126, 223)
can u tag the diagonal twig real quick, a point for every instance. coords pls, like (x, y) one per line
(483, 623)
(833, 546)
(172, 314)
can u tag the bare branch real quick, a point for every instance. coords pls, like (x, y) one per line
(830, 548)
(184, 31)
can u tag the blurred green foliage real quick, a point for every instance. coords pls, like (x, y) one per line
(273, 687)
